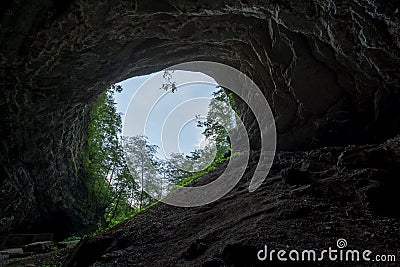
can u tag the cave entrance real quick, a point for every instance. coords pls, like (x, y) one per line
(139, 150)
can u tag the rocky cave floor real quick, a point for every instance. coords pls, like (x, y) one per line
(309, 200)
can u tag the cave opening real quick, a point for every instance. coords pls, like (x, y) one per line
(329, 71)
(129, 166)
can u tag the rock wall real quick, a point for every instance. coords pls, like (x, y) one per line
(329, 69)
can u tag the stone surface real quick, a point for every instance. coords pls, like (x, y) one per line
(13, 253)
(329, 69)
(39, 247)
(67, 244)
(355, 202)
(20, 240)
(350, 201)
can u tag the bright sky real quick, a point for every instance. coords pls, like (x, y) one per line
(166, 118)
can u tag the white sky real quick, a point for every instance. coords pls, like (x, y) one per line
(167, 119)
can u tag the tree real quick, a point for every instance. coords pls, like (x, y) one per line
(141, 158)
(180, 168)
(219, 121)
(103, 152)
(108, 177)
(169, 83)
(123, 173)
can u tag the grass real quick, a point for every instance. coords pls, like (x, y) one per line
(187, 180)
(72, 238)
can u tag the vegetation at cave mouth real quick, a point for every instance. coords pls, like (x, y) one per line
(118, 169)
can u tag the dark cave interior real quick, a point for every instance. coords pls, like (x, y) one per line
(329, 70)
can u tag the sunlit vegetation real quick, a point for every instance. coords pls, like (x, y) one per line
(121, 180)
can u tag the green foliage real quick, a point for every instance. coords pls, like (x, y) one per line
(187, 179)
(72, 238)
(116, 221)
(108, 177)
(119, 181)
(190, 177)
(141, 158)
(219, 121)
